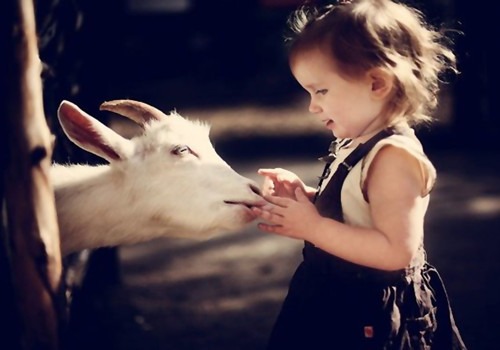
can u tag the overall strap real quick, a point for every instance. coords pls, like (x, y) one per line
(363, 148)
(328, 202)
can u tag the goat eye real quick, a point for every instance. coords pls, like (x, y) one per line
(181, 150)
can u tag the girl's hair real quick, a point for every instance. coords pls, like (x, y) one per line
(363, 34)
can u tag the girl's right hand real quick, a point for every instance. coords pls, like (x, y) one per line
(281, 183)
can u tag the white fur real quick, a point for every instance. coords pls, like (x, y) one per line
(151, 191)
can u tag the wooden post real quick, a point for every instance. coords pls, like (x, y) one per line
(30, 237)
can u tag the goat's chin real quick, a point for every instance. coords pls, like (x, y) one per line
(248, 216)
(241, 212)
(234, 220)
(227, 221)
(243, 215)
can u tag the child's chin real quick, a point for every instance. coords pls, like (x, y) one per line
(340, 135)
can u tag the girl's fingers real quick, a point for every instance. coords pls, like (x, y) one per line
(267, 172)
(266, 208)
(271, 228)
(285, 179)
(280, 201)
(300, 195)
(268, 215)
(278, 174)
(289, 187)
(268, 183)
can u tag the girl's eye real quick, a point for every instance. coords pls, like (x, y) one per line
(321, 92)
(181, 150)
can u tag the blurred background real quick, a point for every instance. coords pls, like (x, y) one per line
(223, 61)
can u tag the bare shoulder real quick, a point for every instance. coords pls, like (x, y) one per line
(393, 168)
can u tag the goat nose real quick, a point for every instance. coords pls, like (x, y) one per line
(255, 189)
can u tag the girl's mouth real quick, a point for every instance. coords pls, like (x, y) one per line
(329, 123)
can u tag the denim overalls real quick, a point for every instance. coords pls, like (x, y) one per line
(335, 304)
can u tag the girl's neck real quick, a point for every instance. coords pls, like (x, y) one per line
(384, 120)
(395, 122)
(365, 137)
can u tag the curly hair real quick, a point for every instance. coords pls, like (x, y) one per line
(363, 34)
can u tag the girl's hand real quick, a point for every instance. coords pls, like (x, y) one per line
(281, 183)
(287, 216)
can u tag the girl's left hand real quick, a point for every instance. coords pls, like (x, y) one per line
(288, 217)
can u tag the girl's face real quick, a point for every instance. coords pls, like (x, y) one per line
(349, 108)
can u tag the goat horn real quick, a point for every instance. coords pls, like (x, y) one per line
(139, 112)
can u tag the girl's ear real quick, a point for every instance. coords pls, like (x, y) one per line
(382, 82)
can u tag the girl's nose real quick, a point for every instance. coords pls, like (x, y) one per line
(314, 107)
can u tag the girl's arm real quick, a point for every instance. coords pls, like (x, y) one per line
(394, 186)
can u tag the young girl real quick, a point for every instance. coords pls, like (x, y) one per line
(371, 68)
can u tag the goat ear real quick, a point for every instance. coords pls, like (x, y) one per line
(91, 135)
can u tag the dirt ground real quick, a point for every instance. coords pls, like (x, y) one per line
(225, 293)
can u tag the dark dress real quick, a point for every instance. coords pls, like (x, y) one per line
(335, 304)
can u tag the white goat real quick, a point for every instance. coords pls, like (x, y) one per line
(167, 182)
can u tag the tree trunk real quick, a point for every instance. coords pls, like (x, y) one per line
(30, 250)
